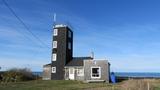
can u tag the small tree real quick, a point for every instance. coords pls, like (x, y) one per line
(18, 74)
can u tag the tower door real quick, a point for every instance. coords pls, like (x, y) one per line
(71, 73)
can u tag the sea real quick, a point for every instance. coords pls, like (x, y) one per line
(37, 73)
(138, 74)
(127, 74)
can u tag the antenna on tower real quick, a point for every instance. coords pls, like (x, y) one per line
(54, 17)
(92, 54)
(54, 20)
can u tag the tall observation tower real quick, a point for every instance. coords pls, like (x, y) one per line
(62, 50)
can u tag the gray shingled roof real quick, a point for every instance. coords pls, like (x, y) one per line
(76, 61)
(82, 58)
(47, 65)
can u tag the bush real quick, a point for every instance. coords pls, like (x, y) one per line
(16, 74)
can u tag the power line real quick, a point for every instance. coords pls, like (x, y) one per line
(25, 26)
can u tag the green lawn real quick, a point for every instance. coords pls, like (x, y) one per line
(55, 85)
(77, 85)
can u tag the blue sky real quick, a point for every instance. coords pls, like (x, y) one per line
(125, 32)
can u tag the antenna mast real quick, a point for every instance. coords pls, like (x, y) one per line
(54, 17)
(54, 20)
(92, 54)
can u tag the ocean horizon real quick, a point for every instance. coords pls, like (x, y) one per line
(138, 74)
(125, 74)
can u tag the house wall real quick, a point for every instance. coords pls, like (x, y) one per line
(77, 77)
(103, 64)
(46, 72)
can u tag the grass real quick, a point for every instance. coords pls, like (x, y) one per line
(53, 85)
(77, 85)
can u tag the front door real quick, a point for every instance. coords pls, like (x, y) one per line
(71, 73)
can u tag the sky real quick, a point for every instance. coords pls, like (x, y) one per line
(125, 32)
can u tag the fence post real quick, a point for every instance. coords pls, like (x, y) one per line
(148, 86)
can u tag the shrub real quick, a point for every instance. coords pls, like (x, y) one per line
(17, 74)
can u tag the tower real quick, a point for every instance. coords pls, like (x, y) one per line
(62, 50)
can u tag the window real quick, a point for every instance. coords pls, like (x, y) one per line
(54, 57)
(69, 45)
(69, 34)
(54, 44)
(80, 72)
(55, 32)
(53, 69)
(95, 72)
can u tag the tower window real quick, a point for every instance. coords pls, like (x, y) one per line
(54, 44)
(69, 45)
(54, 57)
(69, 34)
(53, 69)
(55, 32)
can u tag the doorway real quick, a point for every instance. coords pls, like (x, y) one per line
(71, 73)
